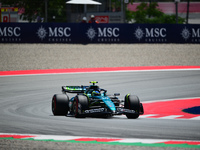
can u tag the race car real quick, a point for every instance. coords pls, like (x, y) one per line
(94, 101)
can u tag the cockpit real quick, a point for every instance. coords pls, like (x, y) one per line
(94, 90)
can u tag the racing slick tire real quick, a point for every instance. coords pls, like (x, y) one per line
(132, 102)
(60, 105)
(80, 104)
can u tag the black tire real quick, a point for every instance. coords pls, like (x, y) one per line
(60, 105)
(80, 104)
(132, 102)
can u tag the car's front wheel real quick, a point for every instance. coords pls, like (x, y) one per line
(80, 104)
(132, 102)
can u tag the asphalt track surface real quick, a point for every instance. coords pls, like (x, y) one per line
(25, 104)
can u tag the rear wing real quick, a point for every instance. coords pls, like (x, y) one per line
(74, 89)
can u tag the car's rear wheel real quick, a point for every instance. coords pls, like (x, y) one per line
(60, 105)
(132, 102)
(80, 104)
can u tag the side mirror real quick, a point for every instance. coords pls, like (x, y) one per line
(116, 94)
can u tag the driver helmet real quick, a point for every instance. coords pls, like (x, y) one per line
(96, 93)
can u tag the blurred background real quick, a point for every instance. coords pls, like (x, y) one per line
(109, 11)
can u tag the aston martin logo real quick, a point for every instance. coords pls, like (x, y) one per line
(139, 33)
(185, 33)
(41, 33)
(91, 33)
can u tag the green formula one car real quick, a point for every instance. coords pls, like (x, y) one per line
(94, 101)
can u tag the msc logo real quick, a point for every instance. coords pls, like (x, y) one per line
(139, 33)
(194, 35)
(156, 32)
(91, 33)
(185, 33)
(103, 34)
(108, 32)
(151, 35)
(54, 34)
(10, 32)
(41, 33)
(59, 32)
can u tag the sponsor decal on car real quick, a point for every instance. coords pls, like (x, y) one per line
(94, 110)
(125, 110)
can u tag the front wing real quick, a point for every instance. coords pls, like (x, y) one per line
(99, 111)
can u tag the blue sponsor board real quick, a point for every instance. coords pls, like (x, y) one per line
(98, 33)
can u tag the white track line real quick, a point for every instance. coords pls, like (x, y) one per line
(195, 118)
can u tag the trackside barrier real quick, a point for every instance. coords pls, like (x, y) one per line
(98, 33)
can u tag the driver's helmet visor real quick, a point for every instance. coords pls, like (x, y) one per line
(96, 93)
